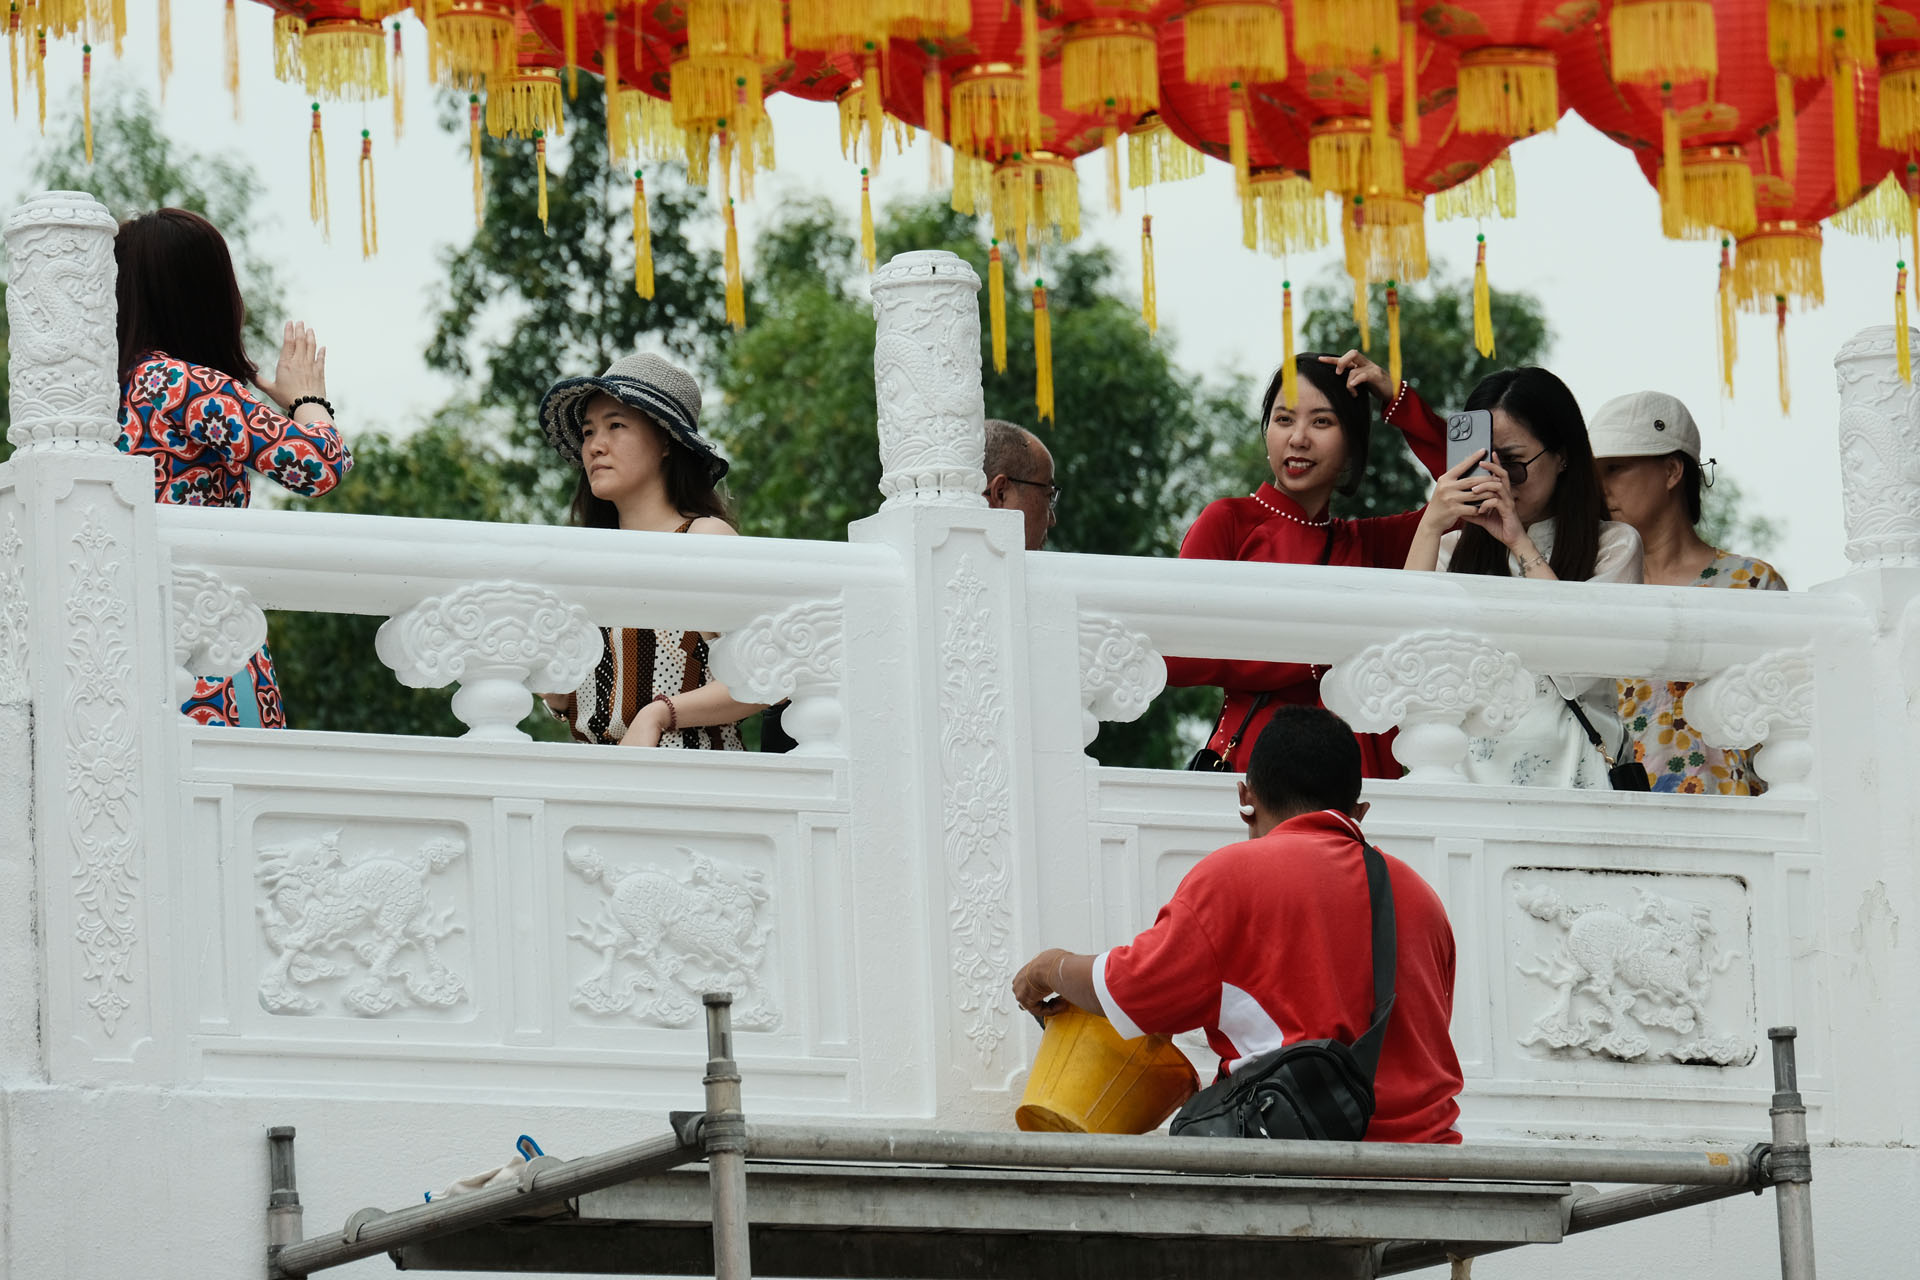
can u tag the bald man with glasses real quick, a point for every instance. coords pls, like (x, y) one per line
(1020, 478)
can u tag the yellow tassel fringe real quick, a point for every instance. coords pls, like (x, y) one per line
(369, 212)
(642, 239)
(1289, 213)
(1729, 335)
(470, 41)
(640, 127)
(1664, 40)
(288, 30)
(1492, 192)
(1513, 93)
(317, 178)
(1110, 65)
(1043, 353)
(518, 105)
(1846, 136)
(344, 60)
(1341, 153)
(1884, 213)
(1781, 260)
(1154, 154)
(1149, 291)
(1337, 33)
(1237, 140)
(1232, 40)
(988, 111)
(706, 90)
(1900, 102)
(1289, 369)
(748, 28)
(1801, 35)
(997, 306)
(1482, 303)
(1715, 194)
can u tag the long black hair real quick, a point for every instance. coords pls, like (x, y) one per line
(689, 489)
(1543, 405)
(1355, 412)
(177, 294)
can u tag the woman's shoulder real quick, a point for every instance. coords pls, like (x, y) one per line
(712, 524)
(1728, 569)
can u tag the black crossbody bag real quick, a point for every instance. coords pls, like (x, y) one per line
(1628, 775)
(1317, 1089)
(1207, 760)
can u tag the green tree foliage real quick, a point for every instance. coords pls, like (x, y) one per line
(329, 674)
(1138, 447)
(137, 168)
(1437, 352)
(524, 306)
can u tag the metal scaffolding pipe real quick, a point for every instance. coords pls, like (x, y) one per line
(1591, 1211)
(1694, 1167)
(1790, 1163)
(723, 1136)
(423, 1222)
(283, 1194)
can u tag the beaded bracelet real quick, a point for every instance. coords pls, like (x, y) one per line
(319, 400)
(673, 717)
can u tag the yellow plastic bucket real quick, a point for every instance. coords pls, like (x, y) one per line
(1086, 1079)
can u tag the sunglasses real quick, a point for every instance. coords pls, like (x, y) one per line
(1517, 470)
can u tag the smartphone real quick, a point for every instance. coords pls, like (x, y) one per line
(1469, 433)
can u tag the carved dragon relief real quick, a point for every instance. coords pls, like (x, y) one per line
(380, 909)
(1618, 975)
(665, 937)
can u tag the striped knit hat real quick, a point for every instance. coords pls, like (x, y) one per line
(666, 393)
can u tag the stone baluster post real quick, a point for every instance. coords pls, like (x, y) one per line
(1439, 688)
(87, 655)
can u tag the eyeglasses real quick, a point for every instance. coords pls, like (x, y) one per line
(1053, 491)
(1517, 471)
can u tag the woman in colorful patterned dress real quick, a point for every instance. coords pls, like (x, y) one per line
(1648, 450)
(635, 431)
(1315, 447)
(185, 402)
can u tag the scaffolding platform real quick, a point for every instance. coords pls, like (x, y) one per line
(717, 1196)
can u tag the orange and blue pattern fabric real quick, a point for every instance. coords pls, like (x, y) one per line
(206, 431)
(1655, 711)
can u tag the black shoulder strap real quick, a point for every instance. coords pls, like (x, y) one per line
(1593, 734)
(1386, 949)
(1259, 701)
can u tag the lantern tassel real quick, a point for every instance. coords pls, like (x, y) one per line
(38, 67)
(399, 82)
(233, 58)
(86, 99)
(1043, 351)
(931, 107)
(570, 47)
(1237, 140)
(1030, 68)
(1482, 303)
(1354, 233)
(473, 150)
(1846, 137)
(1672, 165)
(871, 98)
(164, 51)
(1289, 374)
(13, 53)
(1789, 125)
(1780, 349)
(868, 252)
(1410, 83)
(1149, 296)
(997, 306)
(1729, 336)
(1902, 336)
(609, 51)
(736, 287)
(317, 178)
(1382, 128)
(1393, 333)
(1110, 143)
(642, 239)
(369, 215)
(540, 172)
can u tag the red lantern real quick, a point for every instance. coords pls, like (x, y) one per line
(1510, 57)
(1897, 50)
(327, 46)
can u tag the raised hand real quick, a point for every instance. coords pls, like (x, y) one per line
(1362, 372)
(302, 369)
(1459, 496)
(1496, 514)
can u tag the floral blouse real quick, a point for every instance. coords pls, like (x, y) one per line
(205, 431)
(1654, 711)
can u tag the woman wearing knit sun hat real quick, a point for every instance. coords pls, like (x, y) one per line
(635, 431)
(1647, 449)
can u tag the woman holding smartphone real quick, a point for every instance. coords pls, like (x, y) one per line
(1533, 508)
(1315, 448)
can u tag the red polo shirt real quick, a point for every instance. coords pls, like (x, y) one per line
(1266, 943)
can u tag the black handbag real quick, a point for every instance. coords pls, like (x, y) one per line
(1628, 775)
(1207, 760)
(1316, 1089)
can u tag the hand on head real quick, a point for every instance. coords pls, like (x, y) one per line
(302, 370)
(1362, 372)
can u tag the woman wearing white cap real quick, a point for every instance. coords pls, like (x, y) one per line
(635, 431)
(1648, 451)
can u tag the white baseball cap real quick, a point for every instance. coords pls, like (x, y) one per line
(1646, 424)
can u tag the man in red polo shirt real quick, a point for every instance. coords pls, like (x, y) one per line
(1266, 943)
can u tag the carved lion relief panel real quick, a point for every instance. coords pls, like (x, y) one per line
(1630, 966)
(362, 920)
(658, 930)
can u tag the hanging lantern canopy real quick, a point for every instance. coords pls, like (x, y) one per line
(468, 41)
(529, 99)
(1655, 42)
(1229, 40)
(1897, 53)
(330, 49)
(1509, 58)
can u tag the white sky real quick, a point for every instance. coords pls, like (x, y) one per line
(1629, 309)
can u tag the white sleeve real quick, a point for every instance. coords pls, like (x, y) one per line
(1621, 557)
(1126, 1026)
(1448, 541)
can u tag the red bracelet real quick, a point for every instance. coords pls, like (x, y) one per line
(673, 717)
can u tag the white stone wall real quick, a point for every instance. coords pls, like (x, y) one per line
(414, 950)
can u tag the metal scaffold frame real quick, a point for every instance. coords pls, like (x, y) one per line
(863, 1202)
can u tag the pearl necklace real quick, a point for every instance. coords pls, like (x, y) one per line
(1288, 515)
